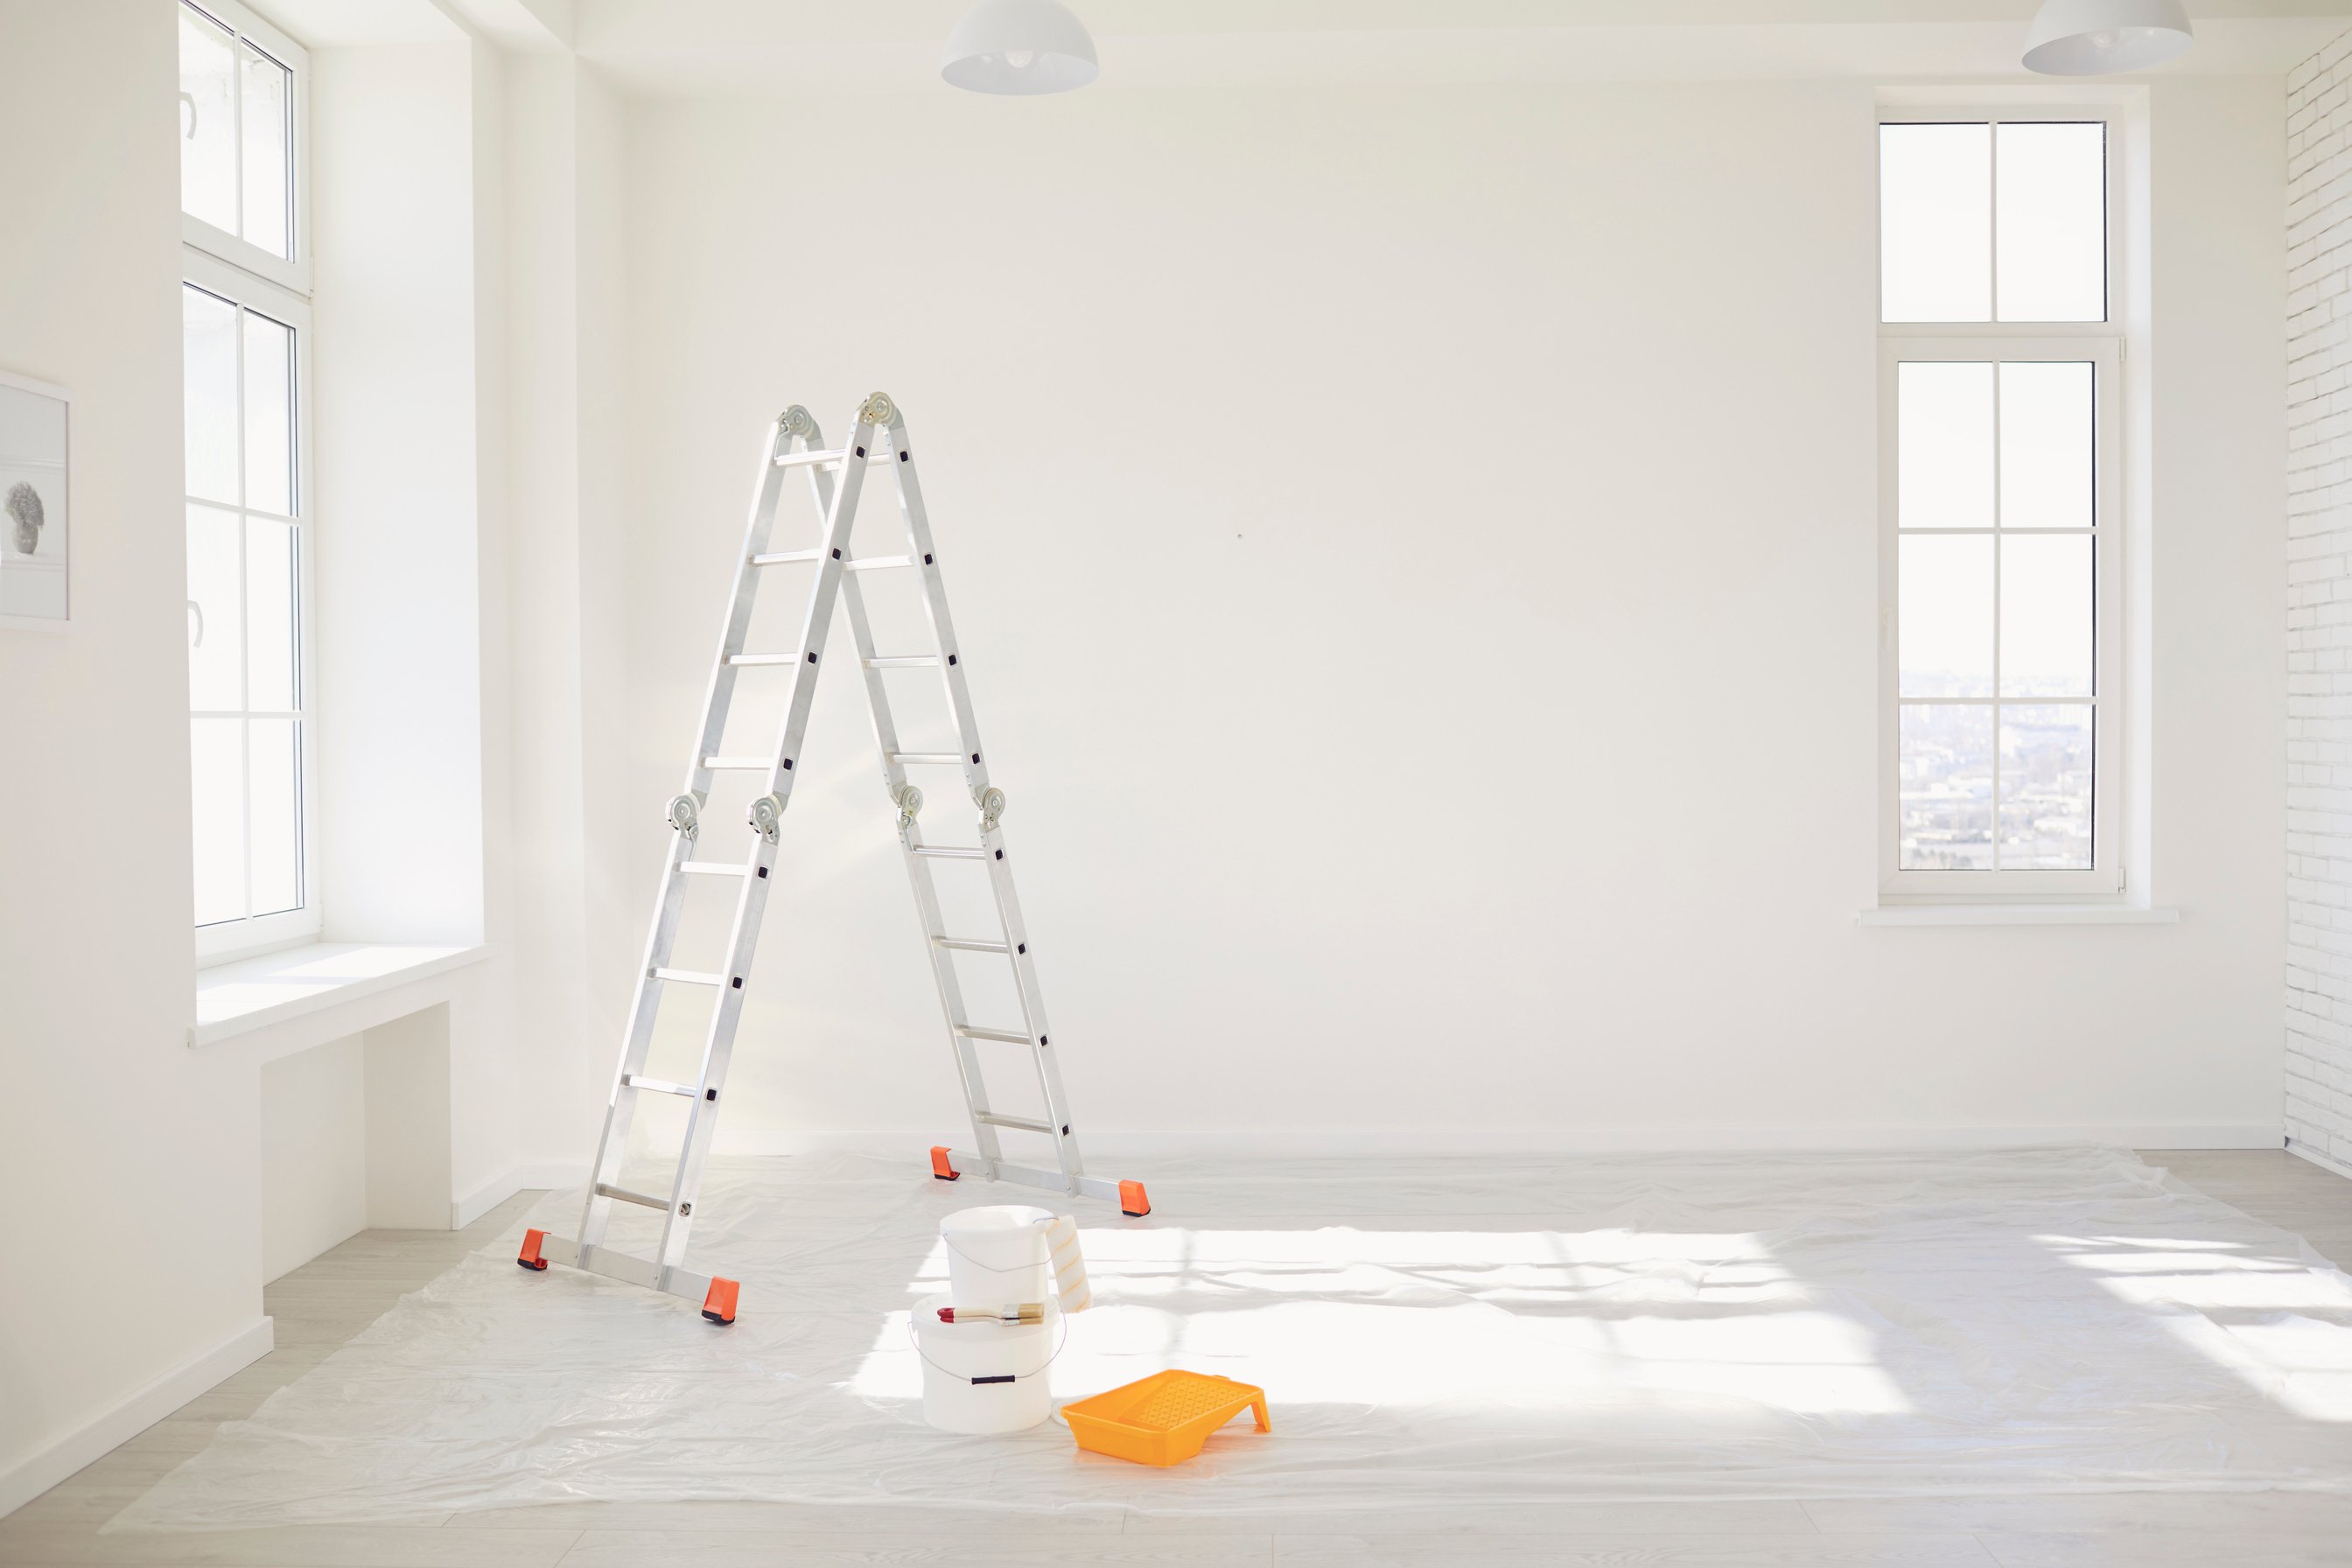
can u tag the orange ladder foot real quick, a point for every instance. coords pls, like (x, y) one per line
(718, 1303)
(1131, 1201)
(531, 1245)
(941, 1171)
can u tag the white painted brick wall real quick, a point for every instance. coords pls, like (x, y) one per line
(2319, 603)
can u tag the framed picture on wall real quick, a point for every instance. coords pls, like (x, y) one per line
(35, 529)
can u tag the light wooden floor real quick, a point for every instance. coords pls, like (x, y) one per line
(323, 1304)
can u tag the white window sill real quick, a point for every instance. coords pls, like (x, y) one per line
(236, 998)
(2015, 915)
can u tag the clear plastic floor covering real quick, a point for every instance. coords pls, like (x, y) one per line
(1428, 1331)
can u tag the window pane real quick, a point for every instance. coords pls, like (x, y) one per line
(208, 363)
(215, 617)
(270, 619)
(2047, 615)
(277, 785)
(1944, 616)
(1935, 223)
(2045, 788)
(268, 102)
(2053, 222)
(1946, 767)
(2048, 440)
(216, 749)
(207, 121)
(269, 415)
(1943, 453)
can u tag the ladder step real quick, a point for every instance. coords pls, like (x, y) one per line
(763, 659)
(969, 1032)
(655, 1085)
(712, 868)
(965, 944)
(831, 457)
(1019, 1124)
(739, 764)
(854, 563)
(690, 976)
(944, 759)
(902, 661)
(950, 852)
(627, 1196)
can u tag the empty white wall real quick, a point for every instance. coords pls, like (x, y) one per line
(130, 1248)
(1415, 557)
(314, 1150)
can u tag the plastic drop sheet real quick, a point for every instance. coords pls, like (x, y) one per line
(1428, 1331)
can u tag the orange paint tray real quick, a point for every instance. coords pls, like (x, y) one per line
(1162, 1419)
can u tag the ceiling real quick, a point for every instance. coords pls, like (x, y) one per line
(698, 47)
(680, 48)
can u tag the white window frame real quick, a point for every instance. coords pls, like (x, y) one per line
(226, 266)
(2101, 343)
(291, 273)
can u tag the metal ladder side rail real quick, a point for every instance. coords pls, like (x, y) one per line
(998, 858)
(684, 812)
(914, 519)
(767, 822)
(904, 794)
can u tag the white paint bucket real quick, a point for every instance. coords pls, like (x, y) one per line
(982, 1375)
(997, 1256)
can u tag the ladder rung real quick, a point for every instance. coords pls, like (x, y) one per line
(878, 563)
(950, 852)
(786, 557)
(656, 1086)
(713, 869)
(902, 661)
(969, 1032)
(763, 659)
(966, 944)
(690, 976)
(1019, 1124)
(627, 1196)
(944, 759)
(739, 764)
(831, 457)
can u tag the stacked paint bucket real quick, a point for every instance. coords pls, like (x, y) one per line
(988, 1345)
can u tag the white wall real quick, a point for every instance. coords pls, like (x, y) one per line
(157, 1194)
(314, 1166)
(1415, 557)
(2319, 608)
(131, 1245)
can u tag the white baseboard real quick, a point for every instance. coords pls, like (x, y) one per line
(37, 1473)
(1376, 1141)
(514, 1179)
(2320, 1159)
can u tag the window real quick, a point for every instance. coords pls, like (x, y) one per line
(1999, 462)
(246, 382)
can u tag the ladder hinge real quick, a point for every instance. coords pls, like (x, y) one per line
(991, 801)
(766, 815)
(909, 801)
(685, 814)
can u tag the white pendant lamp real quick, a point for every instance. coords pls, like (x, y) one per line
(2099, 37)
(1019, 47)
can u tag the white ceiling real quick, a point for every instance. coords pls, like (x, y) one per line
(691, 48)
(694, 46)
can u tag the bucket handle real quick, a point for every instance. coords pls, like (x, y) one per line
(916, 1339)
(1062, 1255)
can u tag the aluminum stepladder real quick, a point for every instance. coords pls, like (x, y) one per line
(793, 444)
